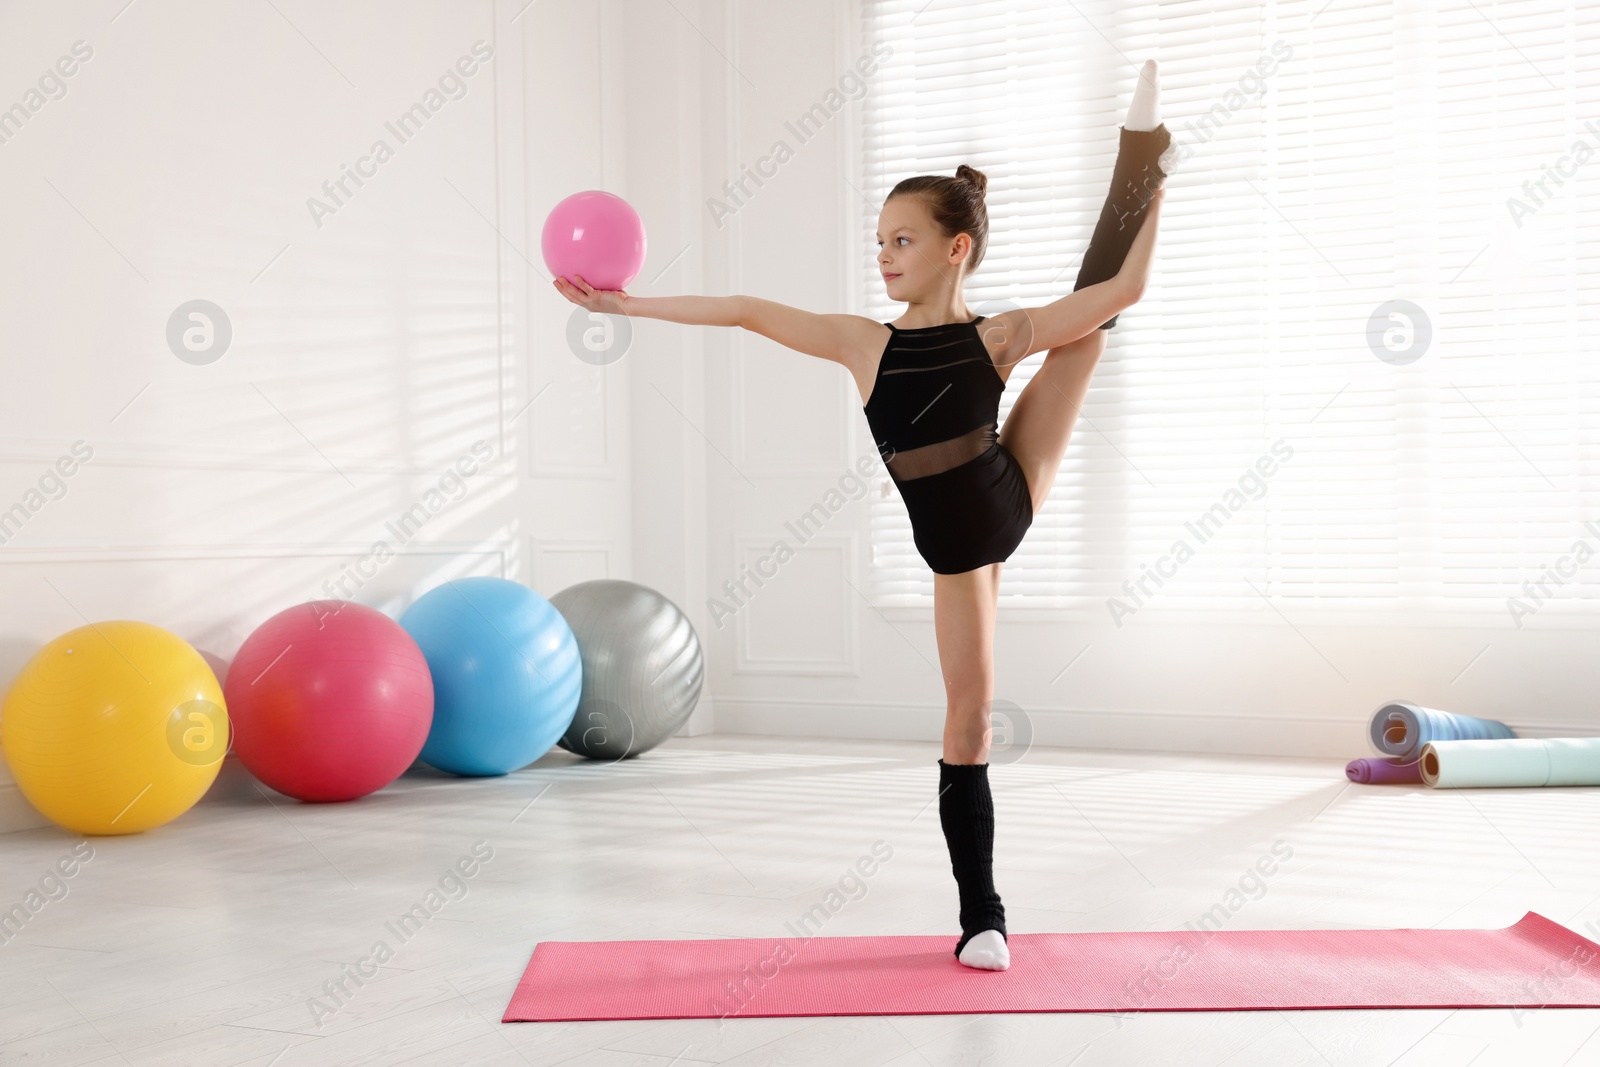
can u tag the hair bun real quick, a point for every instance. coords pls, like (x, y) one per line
(976, 177)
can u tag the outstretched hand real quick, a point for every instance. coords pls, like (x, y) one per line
(580, 292)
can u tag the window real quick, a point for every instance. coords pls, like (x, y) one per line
(1361, 373)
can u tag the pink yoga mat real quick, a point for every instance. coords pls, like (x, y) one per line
(1535, 963)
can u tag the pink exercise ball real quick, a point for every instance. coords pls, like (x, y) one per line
(334, 701)
(596, 235)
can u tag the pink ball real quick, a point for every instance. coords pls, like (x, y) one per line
(596, 235)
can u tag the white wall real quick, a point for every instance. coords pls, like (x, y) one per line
(368, 353)
(371, 352)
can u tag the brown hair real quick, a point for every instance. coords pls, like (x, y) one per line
(956, 205)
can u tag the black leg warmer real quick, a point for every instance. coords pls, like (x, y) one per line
(966, 811)
(1134, 180)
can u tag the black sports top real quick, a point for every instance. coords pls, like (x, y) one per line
(935, 403)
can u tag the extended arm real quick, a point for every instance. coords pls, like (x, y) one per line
(831, 337)
(692, 310)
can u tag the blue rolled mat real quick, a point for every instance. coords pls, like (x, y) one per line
(1400, 730)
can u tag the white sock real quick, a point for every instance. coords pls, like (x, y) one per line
(986, 952)
(1144, 113)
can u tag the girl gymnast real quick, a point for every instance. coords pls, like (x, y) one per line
(930, 388)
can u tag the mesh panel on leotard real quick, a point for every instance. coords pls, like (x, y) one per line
(936, 401)
(942, 455)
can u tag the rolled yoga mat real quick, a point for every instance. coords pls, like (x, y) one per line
(1534, 963)
(1384, 772)
(1523, 761)
(1400, 730)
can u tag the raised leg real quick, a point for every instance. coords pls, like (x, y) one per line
(1145, 156)
(1041, 421)
(1134, 180)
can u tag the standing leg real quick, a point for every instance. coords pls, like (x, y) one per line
(963, 621)
(963, 610)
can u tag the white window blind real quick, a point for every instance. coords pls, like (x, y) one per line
(1337, 158)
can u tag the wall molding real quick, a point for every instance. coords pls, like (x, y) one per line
(538, 467)
(613, 464)
(543, 547)
(1300, 736)
(830, 467)
(1306, 737)
(850, 665)
(739, 344)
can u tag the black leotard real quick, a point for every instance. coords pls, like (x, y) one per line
(934, 411)
(935, 405)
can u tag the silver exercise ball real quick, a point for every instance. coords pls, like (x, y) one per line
(642, 667)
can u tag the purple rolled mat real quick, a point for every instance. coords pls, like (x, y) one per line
(1384, 772)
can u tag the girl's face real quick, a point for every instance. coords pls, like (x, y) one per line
(915, 260)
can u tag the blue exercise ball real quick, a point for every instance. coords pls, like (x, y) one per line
(506, 674)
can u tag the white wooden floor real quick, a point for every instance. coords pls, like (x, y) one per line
(206, 941)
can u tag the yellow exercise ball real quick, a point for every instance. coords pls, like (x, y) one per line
(115, 728)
